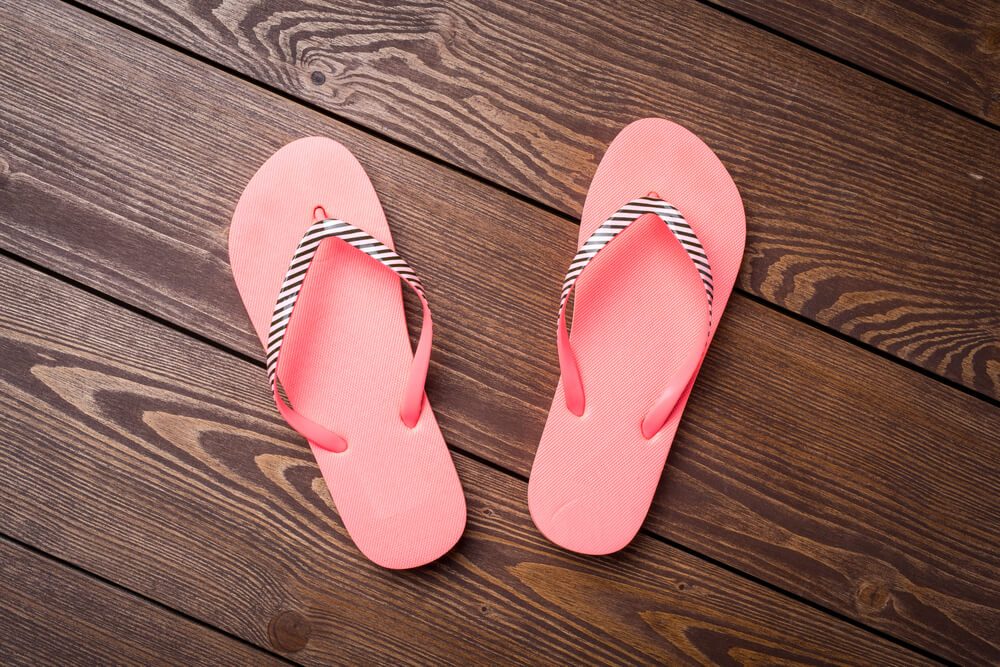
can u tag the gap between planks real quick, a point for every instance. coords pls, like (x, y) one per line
(801, 43)
(58, 562)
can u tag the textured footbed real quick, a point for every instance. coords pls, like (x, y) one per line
(640, 311)
(347, 354)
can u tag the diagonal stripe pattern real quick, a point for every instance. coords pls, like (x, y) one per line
(619, 222)
(299, 266)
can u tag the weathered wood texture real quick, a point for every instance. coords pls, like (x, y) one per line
(949, 49)
(51, 614)
(165, 469)
(871, 211)
(782, 468)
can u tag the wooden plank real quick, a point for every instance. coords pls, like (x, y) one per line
(51, 614)
(156, 461)
(871, 211)
(949, 49)
(782, 468)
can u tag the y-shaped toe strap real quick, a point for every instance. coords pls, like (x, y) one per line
(602, 236)
(413, 393)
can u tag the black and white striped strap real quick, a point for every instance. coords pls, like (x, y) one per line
(572, 380)
(619, 222)
(289, 294)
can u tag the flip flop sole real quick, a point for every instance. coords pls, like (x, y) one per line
(640, 314)
(347, 353)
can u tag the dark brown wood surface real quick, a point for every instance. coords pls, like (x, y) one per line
(949, 49)
(51, 614)
(871, 210)
(782, 468)
(824, 504)
(165, 468)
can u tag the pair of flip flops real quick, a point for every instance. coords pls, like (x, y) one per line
(314, 262)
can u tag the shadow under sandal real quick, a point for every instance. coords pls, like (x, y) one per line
(314, 262)
(660, 245)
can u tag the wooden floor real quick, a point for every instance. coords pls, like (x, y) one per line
(833, 495)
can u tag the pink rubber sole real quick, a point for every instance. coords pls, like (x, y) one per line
(347, 353)
(640, 309)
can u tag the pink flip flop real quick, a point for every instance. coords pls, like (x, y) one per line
(354, 386)
(646, 308)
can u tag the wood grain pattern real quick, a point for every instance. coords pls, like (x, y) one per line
(871, 211)
(164, 468)
(51, 614)
(949, 49)
(782, 468)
